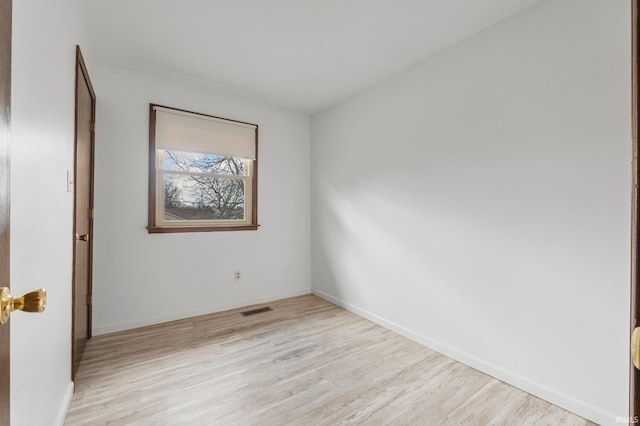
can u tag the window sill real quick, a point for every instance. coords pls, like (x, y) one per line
(176, 229)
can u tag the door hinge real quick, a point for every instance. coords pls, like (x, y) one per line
(93, 126)
(90, 213)
(89, 301)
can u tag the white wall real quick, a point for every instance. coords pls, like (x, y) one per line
(142, 278)
(45, 34)
(480, 203)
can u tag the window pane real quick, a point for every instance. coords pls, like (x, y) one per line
(203, 198)
(202, 163)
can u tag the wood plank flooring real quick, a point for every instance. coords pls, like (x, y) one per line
(307, 362)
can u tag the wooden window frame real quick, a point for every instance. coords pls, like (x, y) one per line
(156, 226)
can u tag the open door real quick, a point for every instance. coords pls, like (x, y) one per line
(34, 301)
(83, 212)
(634, 403)
(5, 103)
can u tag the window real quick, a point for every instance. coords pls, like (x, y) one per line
(202, 172)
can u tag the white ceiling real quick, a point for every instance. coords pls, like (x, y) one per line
(301, 54)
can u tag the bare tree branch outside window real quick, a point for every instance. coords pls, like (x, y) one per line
(206, 187)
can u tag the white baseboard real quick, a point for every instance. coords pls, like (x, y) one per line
(112, 328)
(561, 400)
(64, 407)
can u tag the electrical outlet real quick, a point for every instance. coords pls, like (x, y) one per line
(237, 275)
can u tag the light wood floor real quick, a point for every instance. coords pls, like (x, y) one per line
(307, 362)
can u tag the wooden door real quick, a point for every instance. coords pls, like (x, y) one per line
(5, 103)
(634, 402)
(83, 212)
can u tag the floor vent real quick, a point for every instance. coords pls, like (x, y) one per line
(256, 311)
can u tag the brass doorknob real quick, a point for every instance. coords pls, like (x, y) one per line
(84, 237)
(635, 347)
(35, 301)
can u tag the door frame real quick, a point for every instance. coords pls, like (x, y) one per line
(82, 73)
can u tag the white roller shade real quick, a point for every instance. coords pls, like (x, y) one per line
(183, 131)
